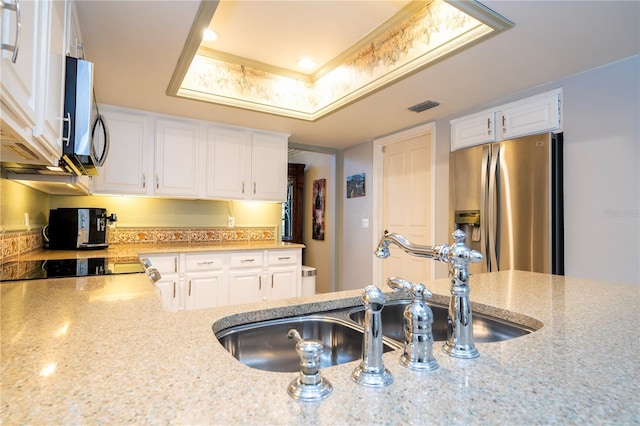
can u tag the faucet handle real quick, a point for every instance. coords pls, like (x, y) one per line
(418, 290)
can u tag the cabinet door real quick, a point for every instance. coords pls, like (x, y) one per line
(537, 114)
(19, 80)
(176, 144)
(205, 290)
(283, 282)
(473, 130)
(268, 167)
(48, 128)
(169, 289)
(74, 45)
(227, 163)
(127, 169)
(245, 286)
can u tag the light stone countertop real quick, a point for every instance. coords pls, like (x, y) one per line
(102, 350)
(126, 251)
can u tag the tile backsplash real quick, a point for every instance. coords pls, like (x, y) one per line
(14, 244)
(190, 235)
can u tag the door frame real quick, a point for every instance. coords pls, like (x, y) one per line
(378, 169)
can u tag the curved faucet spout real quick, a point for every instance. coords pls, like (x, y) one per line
(382, 251)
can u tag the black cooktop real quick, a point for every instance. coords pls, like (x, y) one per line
(59, 268)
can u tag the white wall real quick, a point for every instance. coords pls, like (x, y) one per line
(601, 169)
(319, 253)
(357, 242)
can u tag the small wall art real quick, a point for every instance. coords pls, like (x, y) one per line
(355, 186)
(319, 200)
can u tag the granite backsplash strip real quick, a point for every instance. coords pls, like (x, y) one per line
(14, 244)
(191, 235)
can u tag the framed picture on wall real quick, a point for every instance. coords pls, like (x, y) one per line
(355, 185)
(319, 200)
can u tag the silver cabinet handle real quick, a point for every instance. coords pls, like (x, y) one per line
(504, 124)
(174, 289)
(144, 180)
(157, 182)
(489, 126)
(208, 262)
(260, 282)
(16, 46)
(284, 258)
(189, 288)
(67, 120)
(254, 187)
(271, 280)
(247, 260)
(243, 187)
(175, 264)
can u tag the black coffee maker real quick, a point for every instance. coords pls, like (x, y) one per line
(78, 228)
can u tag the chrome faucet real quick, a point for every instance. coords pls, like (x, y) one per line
(459, 342)
(371, 371)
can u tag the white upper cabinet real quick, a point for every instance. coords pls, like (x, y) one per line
(48, 129)
(159, 155)
(228, 160)
(32, 84)
(473, 130)
(268, 167)
(129, 166)
(177, 151)
(536, 114)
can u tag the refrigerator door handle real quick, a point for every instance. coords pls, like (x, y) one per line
(491, 217)
(484, 231)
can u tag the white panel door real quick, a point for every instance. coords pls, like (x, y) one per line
(228, 163)
(269, 167)
(176, 158)
(127, 170)
(205, 290)
(407, 204)
(245, 286)
(283, 282)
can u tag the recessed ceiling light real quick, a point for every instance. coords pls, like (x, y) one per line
(306, 63)
(210, 35)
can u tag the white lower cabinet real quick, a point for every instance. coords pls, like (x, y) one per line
(168, 286)
(205, 281)
(211, 279)
(284, 271)
(246, 277)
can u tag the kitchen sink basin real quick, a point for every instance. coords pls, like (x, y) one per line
(265, 345)
(485, 329)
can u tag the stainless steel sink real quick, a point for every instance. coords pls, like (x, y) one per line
(485, 329)
(265, 345)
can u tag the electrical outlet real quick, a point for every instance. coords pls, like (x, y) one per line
(231, 222)
(26, 220)
(365, 223)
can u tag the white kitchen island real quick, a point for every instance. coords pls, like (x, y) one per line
(102, 350)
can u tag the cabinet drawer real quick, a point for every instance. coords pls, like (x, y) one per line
(166, 264)
(204, 262)
(249, 259)
(283, 257)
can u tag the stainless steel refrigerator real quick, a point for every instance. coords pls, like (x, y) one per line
(507, 196)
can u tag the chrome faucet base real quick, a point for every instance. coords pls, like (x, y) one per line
(301, 391)
(419, 364)
(460, 351)
(376, 379)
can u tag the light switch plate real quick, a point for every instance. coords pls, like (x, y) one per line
(231, 222)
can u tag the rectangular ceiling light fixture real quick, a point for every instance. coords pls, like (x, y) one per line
(424, 106)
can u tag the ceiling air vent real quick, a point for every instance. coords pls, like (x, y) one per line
(424, 106)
